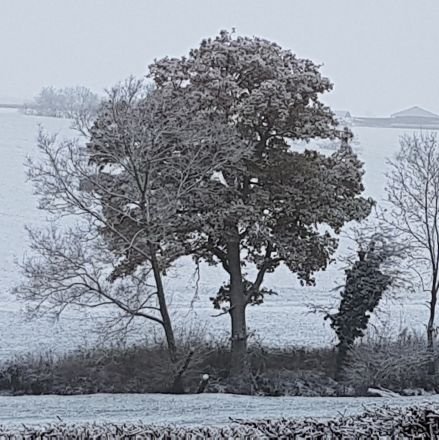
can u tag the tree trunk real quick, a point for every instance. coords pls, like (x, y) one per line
(167, 324)
(177, 384)
(239, 340)
(238, 303)
(430, 329)
(340, 359)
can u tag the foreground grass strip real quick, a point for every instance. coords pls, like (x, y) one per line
(421, 422)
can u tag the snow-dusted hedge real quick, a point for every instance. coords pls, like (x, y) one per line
(383, 423)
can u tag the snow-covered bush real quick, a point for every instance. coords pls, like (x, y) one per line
(395, 364)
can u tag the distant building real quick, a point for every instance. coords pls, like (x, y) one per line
(415, 116)
(343, 117)
(342, 114)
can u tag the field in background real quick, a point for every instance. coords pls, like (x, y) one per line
(283, 320)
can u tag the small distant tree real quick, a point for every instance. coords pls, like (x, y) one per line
(46, 103)
(77, 103)
(363, 289)
(412, 211)
(82, 106)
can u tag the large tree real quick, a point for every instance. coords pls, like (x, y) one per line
(125, 188)
(269, 204)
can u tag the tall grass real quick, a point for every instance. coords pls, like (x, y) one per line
(395, 363)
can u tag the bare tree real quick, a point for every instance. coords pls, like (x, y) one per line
(70, 267)
(123, 190)
(412, 211)
(83, 108)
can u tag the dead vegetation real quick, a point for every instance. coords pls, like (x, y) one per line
(400, 365)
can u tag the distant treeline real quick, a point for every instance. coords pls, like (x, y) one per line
(66, 102)
(16, 106)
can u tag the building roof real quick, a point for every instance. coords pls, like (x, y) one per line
(342, 114)
(414, 112)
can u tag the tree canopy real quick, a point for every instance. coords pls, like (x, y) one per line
(239, 103)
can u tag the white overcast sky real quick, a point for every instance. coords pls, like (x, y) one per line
(382, 55)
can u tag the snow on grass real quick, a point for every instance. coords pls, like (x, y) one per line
(384, 423)
(184, 410)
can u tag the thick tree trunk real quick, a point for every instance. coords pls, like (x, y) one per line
(239, 360)
(238, 303)
(167, 324)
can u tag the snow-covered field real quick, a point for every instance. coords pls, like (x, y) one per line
(282, 320)
(205, 409)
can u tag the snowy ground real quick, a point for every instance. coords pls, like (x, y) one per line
(283, 320)
(211, 409)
